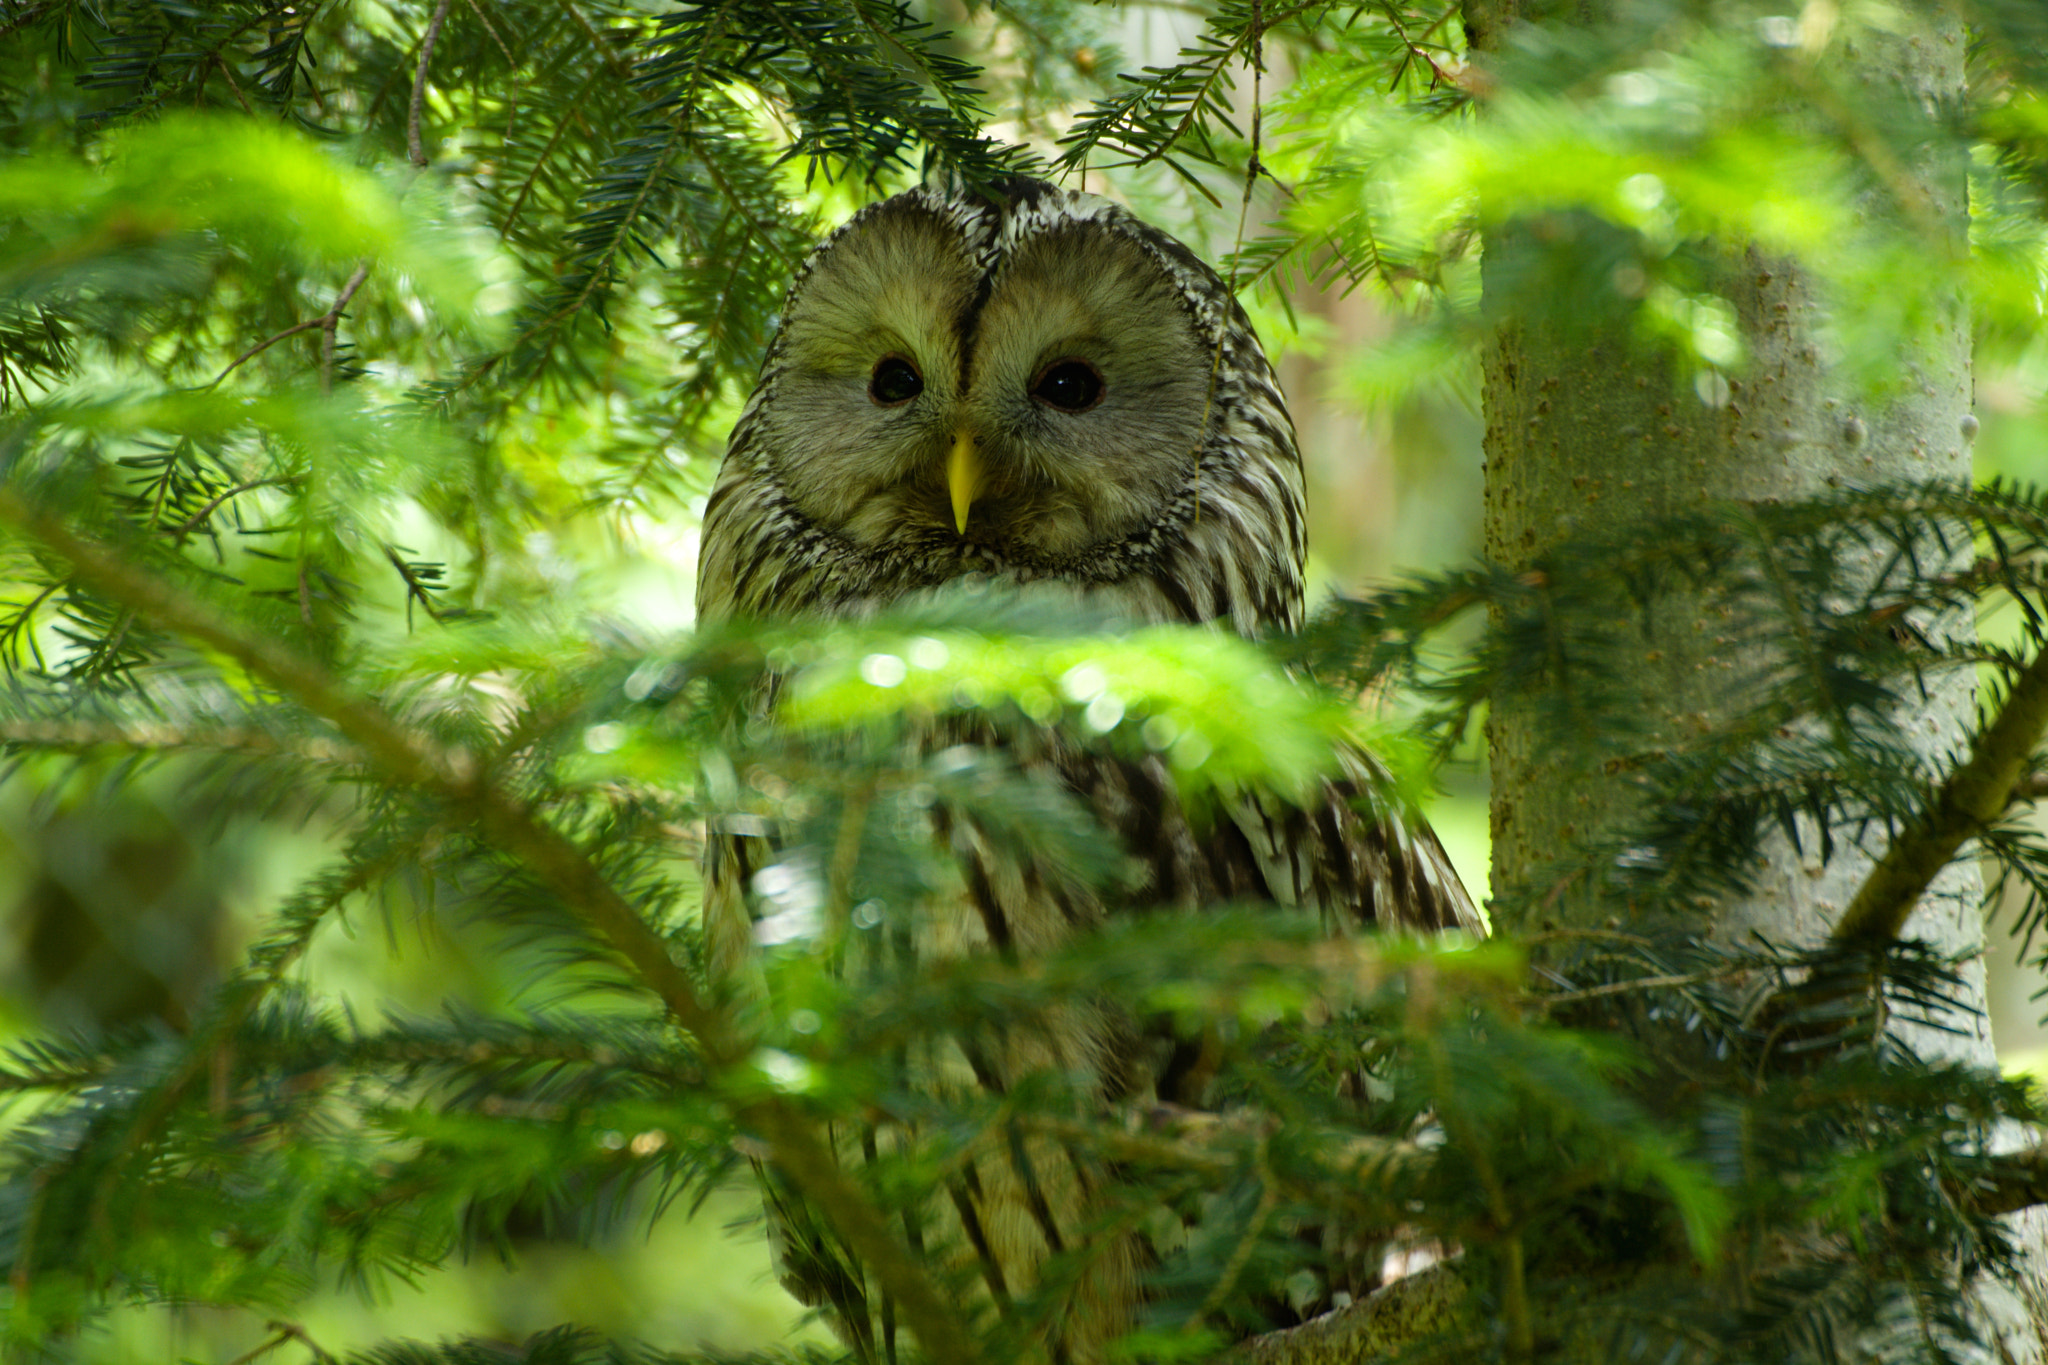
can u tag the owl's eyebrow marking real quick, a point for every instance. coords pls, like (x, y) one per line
(970, 317)
(969, 325)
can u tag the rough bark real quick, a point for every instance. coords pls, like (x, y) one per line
(1586, 428)
(1382, 1325)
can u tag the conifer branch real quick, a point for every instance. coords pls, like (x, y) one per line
(260, 347)
(404, 754)
(283, 1334)
(1974, 795)
(1201, 1143)
(25, 15)
(599, 42)
(45, 1072)
(1414, 51)
(330, 322)
(228, 75)
(558, 863)
(491, 30)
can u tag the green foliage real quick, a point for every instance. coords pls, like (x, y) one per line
(1159, 689)
(353, 360)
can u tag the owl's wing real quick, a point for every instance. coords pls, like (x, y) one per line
(1351, 850)
(1358, 855)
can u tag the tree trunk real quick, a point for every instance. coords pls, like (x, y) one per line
(1586, 428)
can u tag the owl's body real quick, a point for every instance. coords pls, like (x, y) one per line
(1032, 386)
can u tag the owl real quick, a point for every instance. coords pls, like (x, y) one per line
(1031, 386)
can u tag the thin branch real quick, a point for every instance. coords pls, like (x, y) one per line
(1437, 75)
(332, 321)
(203, 1051)
(491, 31)
(262, 1348)
(233, 89)
(1207, 1145)
(963, 110)
(20, 630)
(1216, 60)
(419, 86)
(1254, 1228)
(406, 755)
(1974, 795)
(326, 322)
(796, 1151)
(24, 17)
(213, 504)
(90, 734)
(260, 347)
(762, 232)
(532, 176)
(415, 589)
(616, 64)
(283, 1333)
(1550, 999)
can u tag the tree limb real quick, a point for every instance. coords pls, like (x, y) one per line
(2031, 788)
(2021, 1183)
(331, 322)
(1973, 796)
(1383, 1324)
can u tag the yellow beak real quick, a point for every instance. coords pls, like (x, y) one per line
(963, 479)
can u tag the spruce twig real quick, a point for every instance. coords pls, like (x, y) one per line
(327, 322)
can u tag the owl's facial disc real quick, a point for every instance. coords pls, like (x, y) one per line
(1024, 412)
(872, 362)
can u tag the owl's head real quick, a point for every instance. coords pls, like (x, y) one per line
(1028, 381)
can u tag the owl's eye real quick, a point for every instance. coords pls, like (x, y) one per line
(1069, 385)
(895, 381)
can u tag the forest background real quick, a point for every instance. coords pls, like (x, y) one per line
(411, 334)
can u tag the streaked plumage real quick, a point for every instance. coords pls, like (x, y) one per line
(1035, 386)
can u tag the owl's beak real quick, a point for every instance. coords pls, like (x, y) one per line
(963, 478)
